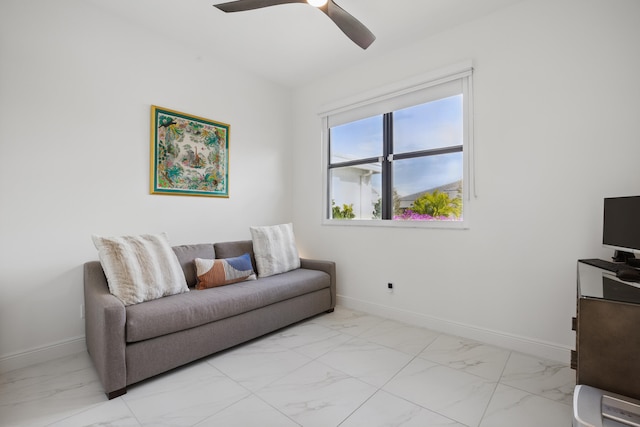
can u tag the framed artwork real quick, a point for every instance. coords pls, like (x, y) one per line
(189, 154)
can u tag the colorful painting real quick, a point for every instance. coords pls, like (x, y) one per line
(189, 154)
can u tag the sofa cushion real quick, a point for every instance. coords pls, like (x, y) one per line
(184, 311)
(187, 253)
(140, 268)
(234, 249)
(219, 272)
(275, 249)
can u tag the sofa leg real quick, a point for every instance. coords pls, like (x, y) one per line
(117, 393)
(331, 310)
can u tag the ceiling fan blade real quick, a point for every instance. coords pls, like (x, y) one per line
(241, 5)
(349, 25)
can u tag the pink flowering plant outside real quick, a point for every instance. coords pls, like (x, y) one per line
(435, 206)
(409, 215)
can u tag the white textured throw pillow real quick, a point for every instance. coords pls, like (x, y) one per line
(140, 268)
(275, 249)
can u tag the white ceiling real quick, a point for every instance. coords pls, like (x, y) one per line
(292, 44)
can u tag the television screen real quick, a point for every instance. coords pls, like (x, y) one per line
(621, 224)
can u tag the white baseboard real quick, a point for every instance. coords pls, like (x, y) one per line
(42, 354)
(542, 349)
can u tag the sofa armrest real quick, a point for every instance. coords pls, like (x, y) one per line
(105, 318)
(328, 267)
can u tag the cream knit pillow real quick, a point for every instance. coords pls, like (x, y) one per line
(275, 249)
(140, 268)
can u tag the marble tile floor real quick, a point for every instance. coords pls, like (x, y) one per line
(342, 369)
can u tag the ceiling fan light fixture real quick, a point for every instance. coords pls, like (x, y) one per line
(317, 3)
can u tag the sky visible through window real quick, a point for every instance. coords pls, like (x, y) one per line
(435, 124)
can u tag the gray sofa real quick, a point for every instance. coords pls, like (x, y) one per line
(131, 343)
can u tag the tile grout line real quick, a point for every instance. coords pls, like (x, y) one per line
(495, 387)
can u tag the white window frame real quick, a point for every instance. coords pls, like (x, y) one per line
(392, 97)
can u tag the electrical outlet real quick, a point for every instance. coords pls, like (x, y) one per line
(390, 287)
(82, 311)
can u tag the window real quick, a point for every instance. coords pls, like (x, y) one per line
(402, 157)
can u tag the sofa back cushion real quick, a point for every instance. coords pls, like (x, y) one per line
(187, 253)
(234, 249)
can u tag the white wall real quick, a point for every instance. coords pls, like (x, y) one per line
(76, 86)
(556, 130)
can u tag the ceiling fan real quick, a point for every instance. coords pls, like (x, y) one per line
(349, 25)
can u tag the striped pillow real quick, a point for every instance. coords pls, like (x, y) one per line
(140, 268)
(275, 249)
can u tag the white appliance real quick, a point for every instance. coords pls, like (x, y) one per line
(593, 407)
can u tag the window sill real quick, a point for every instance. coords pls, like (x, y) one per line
(441, 225)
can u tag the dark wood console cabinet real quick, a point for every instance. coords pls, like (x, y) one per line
(607, 326)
